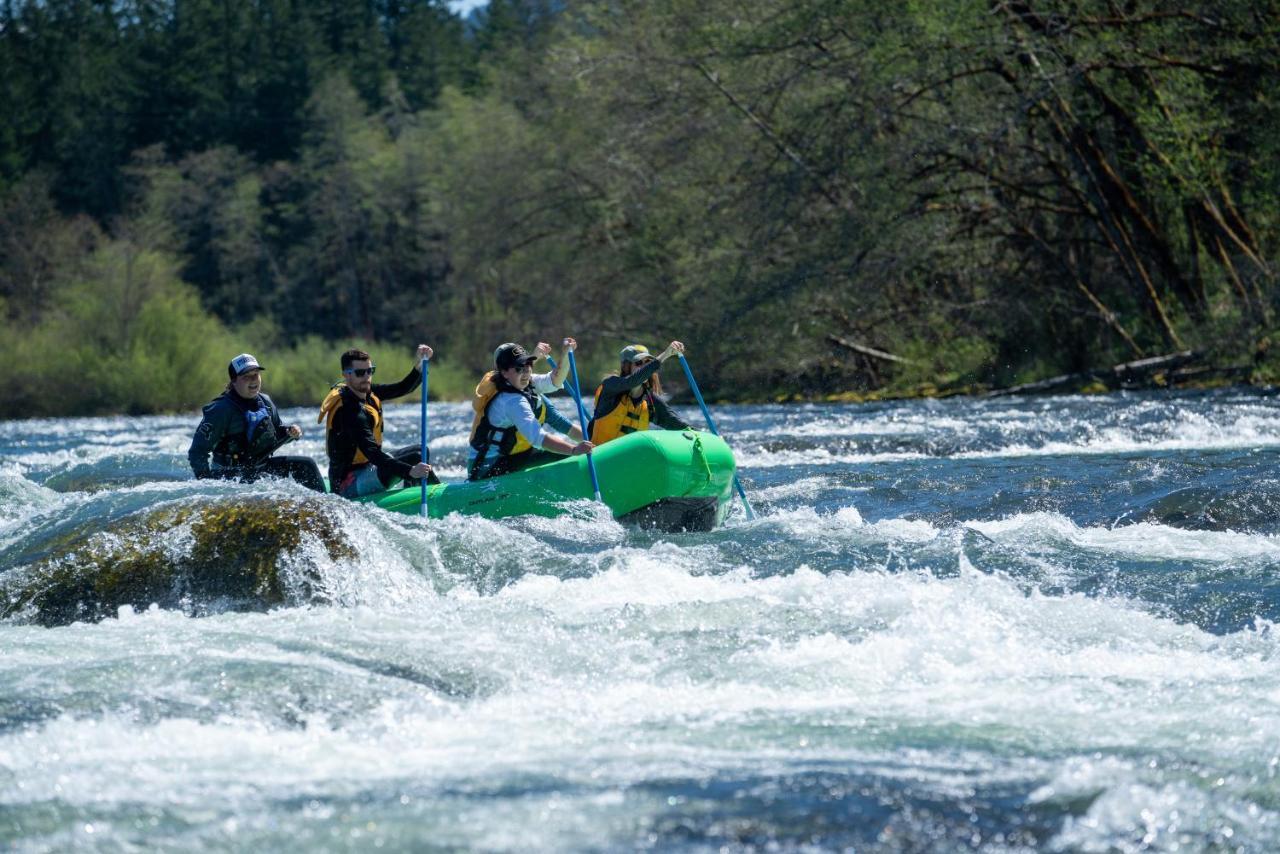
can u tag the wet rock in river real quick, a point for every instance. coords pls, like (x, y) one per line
(235, 554)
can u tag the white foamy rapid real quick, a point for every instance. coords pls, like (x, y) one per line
(654, 667)
(962, 650)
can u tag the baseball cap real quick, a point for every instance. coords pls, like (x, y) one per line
(511, 356)
(242, 364)
(634, 352)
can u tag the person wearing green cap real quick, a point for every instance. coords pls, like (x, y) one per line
(509, 431)
(630, 400)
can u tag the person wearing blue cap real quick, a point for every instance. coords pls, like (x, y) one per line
(241, 430)
(509, 430)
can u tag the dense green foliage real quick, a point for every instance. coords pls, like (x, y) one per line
(816, 195)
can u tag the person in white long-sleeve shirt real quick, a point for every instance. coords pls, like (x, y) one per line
(510, 429)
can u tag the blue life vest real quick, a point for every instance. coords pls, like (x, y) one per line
(256, 420)
(259, 439)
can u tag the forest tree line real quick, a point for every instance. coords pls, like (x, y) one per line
(817, 196)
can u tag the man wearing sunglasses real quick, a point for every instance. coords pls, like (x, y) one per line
(353, 436)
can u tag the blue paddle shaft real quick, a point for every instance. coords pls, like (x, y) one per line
(582, 420)
(711, 425)
(423, 431)
(697, 394)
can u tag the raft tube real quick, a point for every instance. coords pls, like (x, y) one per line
(674, 480)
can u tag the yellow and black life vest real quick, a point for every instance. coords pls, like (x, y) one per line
(333, 401)
(628, 415)
(484, 435)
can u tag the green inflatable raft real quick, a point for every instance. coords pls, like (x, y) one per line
(667, 479)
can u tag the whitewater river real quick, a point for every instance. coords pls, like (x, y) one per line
(1002, 625)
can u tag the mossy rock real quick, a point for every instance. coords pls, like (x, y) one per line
(231, 561)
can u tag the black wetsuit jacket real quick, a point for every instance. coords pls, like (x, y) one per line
(224, 433)
(353, 430)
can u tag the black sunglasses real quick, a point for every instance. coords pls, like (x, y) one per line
(361, 372)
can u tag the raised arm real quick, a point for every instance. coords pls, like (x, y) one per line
(614, 386)
(391, 391)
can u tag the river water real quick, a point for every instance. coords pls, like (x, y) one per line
(1001, 625)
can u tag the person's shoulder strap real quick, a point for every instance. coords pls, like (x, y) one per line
(486, 392)
(331, 402)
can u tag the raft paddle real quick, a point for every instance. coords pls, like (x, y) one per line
(422, 510)
(582, 419)
(711, 425)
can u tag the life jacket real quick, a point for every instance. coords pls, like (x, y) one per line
(628, 415)
(484, 435)
(334, 401)
(259, 439)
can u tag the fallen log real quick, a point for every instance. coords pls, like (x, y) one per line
(1153, 372)
(869, 352)
(1149, 366)
(1044, 386)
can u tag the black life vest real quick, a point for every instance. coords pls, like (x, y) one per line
(259, 440)
(484, 435)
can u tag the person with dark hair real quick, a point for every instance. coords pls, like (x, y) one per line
(631, 400)
(241, 429)
(508, 432)
(352, 413)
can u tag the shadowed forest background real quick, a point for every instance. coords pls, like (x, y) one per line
(817, 196)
